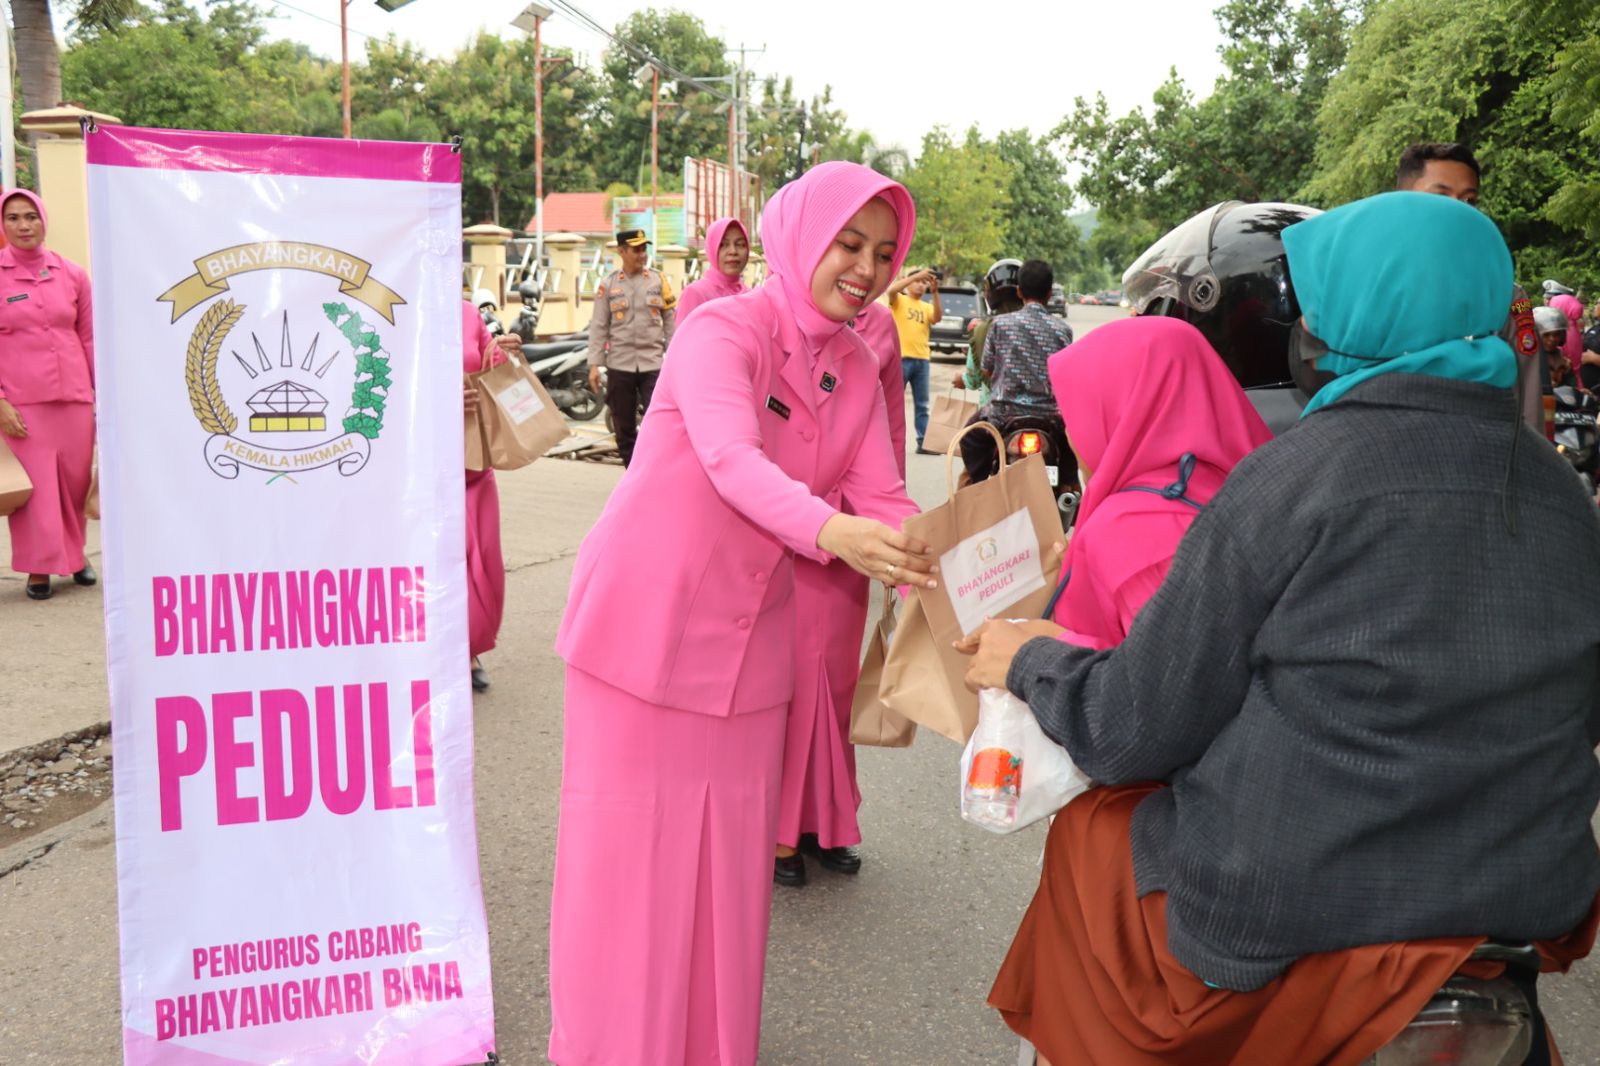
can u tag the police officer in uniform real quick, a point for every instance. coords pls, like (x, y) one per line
(633, 320)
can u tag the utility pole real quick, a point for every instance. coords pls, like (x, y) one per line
(739, 131)
(8, 146)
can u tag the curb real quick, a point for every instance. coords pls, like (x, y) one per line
(10, 760)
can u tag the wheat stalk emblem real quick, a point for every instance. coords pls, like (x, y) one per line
(200, 369)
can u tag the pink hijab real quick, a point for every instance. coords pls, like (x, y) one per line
(1137, 395)
(801, 221)
(1572, 348)
(32, 256)
(713, 284)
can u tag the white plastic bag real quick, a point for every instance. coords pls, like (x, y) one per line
(1011, 773)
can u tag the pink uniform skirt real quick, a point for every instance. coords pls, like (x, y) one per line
(820, 794)
(663, 881)
(486, 563)
(47, 532)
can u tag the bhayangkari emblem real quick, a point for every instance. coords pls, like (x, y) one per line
(289, 401)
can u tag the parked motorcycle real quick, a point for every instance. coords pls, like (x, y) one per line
(1576, 432)
(562, 367)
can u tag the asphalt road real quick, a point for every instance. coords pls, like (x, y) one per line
(889, 968)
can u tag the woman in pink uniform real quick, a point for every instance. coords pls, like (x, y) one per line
(46, 394)
(819, 799)
(680, 628)
(727, 254)
(486, 564)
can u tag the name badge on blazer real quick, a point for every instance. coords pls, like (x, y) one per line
(778, 407)
(18, 296)
(829, 382)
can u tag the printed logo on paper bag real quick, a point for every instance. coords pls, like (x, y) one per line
(519, 401)
(992, 569)
(286, 429)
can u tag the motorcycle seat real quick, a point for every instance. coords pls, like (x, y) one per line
(535, 352)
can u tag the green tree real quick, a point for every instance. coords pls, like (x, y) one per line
(1252, 138)
(692, 121)
(1483, 77)
(1038, 225)
(962, 201)
(174, 67)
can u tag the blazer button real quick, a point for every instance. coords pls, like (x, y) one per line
(744, 623)
(759, 577)
(807, 434)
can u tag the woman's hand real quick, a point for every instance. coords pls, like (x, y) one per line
(469, 398)
(869, 547)
(11, 423)
(509, 343)
(995, 644)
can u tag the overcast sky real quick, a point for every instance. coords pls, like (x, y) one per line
(896, 69)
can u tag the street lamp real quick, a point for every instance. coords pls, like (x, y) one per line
(530, 21)
(344, 51)
(649, 69)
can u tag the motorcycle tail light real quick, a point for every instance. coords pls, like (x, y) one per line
(1029, 443)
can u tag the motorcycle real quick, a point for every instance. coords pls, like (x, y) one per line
(562, 367)
(1577, 430)
(1025, 435)
(527, 323)
(1474, 1021)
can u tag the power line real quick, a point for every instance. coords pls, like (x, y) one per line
(640, 52)
(319, 18)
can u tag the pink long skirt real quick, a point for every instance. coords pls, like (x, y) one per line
(819, 763)
(47, 532)
(486, 563)
(663, 882)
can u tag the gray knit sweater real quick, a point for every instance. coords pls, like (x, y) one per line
(1376, 706)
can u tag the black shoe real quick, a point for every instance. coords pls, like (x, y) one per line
(924, 451)
(480, 678)
(789, 871)
(39, 592)
(86, 576)
(840, 860)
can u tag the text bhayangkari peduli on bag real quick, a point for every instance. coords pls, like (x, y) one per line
(994, 543)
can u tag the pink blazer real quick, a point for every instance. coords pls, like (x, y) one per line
(876, 326)
(46, 332)
(682, 593)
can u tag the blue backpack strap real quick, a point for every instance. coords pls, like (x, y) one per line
(1179, 489)
(1055, 597)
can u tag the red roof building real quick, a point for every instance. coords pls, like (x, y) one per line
(583, 213)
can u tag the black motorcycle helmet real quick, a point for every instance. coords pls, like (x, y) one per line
(1001, 286)
(1224, 271)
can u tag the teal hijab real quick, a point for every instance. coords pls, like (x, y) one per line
(1403, 283)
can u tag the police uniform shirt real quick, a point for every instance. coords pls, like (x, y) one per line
(633, 321)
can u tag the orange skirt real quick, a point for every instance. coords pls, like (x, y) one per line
(1089, 977)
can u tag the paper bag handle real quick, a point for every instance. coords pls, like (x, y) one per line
(955, 446)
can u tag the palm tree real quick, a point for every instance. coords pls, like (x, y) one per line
(39, 57)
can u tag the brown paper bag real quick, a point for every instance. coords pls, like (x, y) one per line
(949, 416)
(995, 542)
(518, 419)
(15, 486)
(477, 459)
(871, 723)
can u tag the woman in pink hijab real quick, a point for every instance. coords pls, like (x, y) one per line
(1148, 405)
(1572, 348)
(486, 564)
(819, 799)
(680, 630)
(727, 254)
(1157, 422)
(46, 394)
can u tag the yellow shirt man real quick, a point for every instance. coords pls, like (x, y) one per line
(913, 318)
